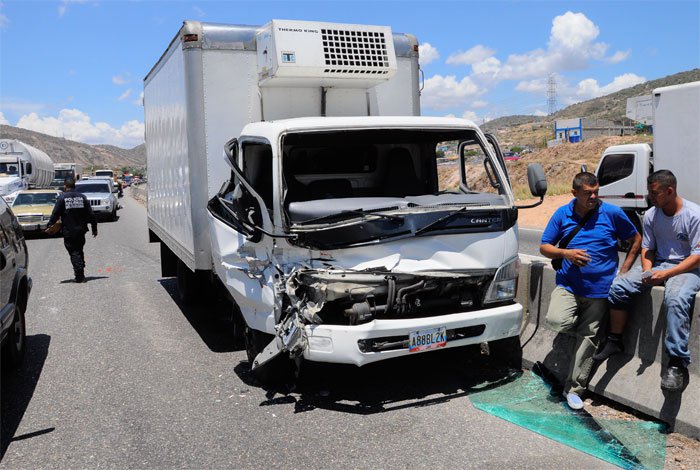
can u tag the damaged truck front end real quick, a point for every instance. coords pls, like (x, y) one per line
(330, 258)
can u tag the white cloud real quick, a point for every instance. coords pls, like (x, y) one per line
(479, 104)
(63, 7)
(618, 56)
(470, 115)
(589, 88)
(487, 68)
(539, 112)
(139, 101)
(121, 79)
(125, 95)
(446, 92)
(538, 85)
(476, 54)
(572, 31)
(75, 125)
(571, 46)
(427, 53)
(199, 12)
(3, 21)
(3, 120)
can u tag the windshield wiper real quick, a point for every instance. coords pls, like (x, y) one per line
(441, 219)
(356, 212)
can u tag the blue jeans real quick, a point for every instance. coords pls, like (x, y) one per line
(678, 296)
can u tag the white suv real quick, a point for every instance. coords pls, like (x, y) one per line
(100, 193)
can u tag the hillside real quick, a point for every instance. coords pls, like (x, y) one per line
(64, 150)
(612, 107)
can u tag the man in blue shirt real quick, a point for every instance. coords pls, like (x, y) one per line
(589, 263)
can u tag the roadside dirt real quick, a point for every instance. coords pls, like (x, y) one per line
(537, 217)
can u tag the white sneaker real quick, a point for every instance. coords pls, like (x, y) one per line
(573, 400)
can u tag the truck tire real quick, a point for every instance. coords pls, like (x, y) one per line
(279, 370)
(113, 216)
(16, 340)
(186, 283)
(507, 352)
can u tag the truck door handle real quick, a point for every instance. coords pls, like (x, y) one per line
(629, 195)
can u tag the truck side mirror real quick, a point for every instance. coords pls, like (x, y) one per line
(28, 168)
(537, 180)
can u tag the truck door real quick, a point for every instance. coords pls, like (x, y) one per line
(239, 219)
(622, 178)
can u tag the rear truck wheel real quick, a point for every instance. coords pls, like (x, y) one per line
(15, 342)
(507, 352)
(186, 283)
(277, 371)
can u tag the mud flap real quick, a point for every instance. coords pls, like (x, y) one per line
(290, 339)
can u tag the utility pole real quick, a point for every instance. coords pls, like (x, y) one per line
(551, 94)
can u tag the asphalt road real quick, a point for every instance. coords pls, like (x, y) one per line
(118, 375)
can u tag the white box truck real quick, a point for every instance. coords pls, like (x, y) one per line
(288, 165)
(623, 169)
(22, 167)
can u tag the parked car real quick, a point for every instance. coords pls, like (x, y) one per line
(33, 208)
(511, 156)
(100, 193)
(15, 286)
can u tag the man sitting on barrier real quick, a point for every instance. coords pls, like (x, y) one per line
(670, 257)
(588, 264)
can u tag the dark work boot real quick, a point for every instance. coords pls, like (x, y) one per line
(613, 345)
(79, 277)
(674, 377)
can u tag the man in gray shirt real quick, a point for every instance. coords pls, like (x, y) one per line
(670, 257)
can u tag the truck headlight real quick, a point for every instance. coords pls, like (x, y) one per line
(505, 282)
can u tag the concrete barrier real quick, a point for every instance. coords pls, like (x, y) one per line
(632, 378)
(139, 192)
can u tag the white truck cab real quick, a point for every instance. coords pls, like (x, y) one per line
(288, 164)
(623, 169)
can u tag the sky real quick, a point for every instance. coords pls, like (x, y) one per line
(75, 68)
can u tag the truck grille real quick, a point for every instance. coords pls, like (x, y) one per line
(95, 202)
(361, 52)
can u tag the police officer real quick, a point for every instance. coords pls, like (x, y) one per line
(73, 208)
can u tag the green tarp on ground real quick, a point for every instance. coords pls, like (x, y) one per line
(529, 402)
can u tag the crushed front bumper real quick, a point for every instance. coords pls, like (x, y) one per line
(345, 344)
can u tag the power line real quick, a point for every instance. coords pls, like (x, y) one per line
(552, 94)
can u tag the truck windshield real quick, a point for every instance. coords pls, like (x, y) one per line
(384, 163)
(63, 174)
(9, 169)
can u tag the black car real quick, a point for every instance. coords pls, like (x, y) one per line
(15, 286)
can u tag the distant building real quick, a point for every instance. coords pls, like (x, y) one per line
(568, 130)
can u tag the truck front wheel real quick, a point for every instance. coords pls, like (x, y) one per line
(507, 352)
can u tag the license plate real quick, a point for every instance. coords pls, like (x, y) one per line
(423, 340)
